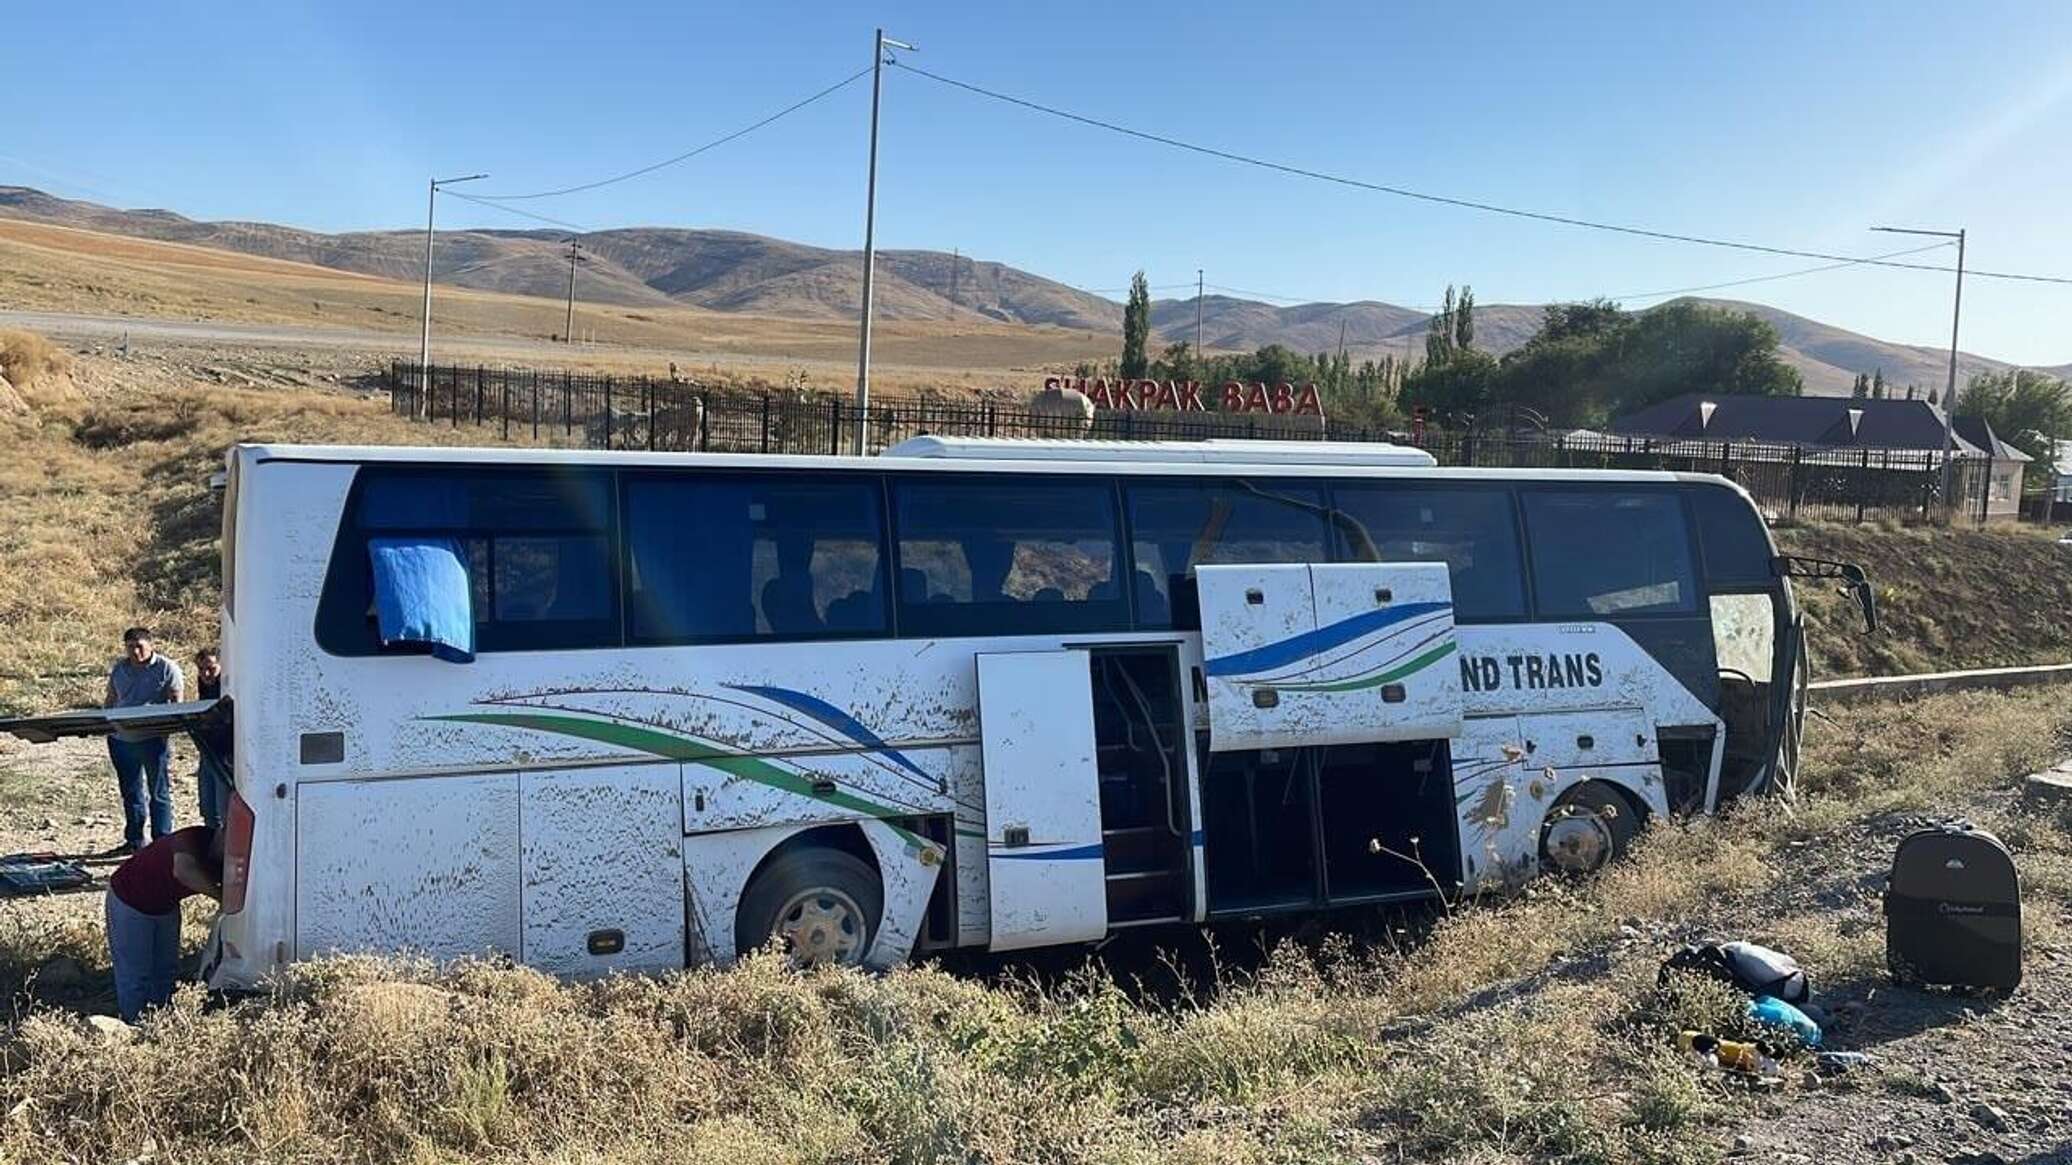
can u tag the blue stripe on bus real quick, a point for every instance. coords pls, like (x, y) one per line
(1076, 853)
(1309, 643)
(833, 717)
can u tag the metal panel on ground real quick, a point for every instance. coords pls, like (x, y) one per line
(1047, 876)
(427, 865)
(603, 869)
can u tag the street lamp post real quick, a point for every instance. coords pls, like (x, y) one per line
(424, 344)
(870, 222)
(1949, 400)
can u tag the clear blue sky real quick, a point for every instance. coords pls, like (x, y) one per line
(1750, 121)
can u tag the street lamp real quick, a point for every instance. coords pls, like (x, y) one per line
(880, 57)
(424, 345)
(1950, 389)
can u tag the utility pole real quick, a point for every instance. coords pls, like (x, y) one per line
(870, 254)
(424, 345)
(1949, 401)
(1197, 316)
(568, 330)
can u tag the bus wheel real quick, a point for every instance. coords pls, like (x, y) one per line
(822, 904)
(1588, 829)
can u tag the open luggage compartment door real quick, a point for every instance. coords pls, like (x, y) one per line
(1047, 878)
(1339, 653)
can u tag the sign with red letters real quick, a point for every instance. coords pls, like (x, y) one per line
(1191, 396)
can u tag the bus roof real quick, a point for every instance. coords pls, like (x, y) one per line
(1148, 463)
(1214, 451)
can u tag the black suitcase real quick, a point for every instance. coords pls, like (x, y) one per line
(1953, 910)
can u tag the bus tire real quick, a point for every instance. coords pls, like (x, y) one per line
(1589, 828)
(821, 903)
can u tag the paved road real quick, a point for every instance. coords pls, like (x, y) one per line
(90, 327)
(111, 329)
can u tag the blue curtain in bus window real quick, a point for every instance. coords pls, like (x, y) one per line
(421, 596)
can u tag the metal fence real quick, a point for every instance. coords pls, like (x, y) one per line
(599, 411)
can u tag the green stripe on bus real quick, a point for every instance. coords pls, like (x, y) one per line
(1379, 678)
(673, 747)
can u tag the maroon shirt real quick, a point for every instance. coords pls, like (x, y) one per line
(145, 882)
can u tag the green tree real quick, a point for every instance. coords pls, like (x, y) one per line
(1464, 319)
(1460, 387)
(1590, 362)
(1878, 385)
(1862, 390)
(2027, 410)
(1136, 328)
(1439, 341)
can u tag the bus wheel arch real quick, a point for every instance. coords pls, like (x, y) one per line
(1589, 827)
(821, 891)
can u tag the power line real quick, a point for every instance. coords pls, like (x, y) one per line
(1444, 200)
(577, 227)
(1782, 274)
(687, 155)
(1865, 261)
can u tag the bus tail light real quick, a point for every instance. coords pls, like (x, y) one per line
(237, 853)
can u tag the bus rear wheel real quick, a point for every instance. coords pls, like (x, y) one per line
(1589, 828)
(822, 905)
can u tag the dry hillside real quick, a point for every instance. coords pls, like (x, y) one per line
(1947, 599)
(643, 268)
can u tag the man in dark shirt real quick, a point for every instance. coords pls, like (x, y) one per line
(212, 742)
(142, 676)
(143, 905)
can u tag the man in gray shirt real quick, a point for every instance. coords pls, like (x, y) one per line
(142, 676)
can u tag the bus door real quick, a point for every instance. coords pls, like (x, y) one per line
(1046, 873)
(1316, 654)
(1333, 691)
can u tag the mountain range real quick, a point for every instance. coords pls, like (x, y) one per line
(734, 271)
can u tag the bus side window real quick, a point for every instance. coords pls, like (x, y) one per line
(1600, 553)
(1471, 529)
(537, 546)
(1176, 527)
(1731, 536)
(1008, 557)
(714, 559)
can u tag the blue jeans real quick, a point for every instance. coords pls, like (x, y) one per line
(146, 952)
(134, 761)
(214, 780)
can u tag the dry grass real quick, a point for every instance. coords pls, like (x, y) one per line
(1522, 1030)
(110, 521)
(61, 269)
(1947, 599)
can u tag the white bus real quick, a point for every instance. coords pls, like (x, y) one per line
(605, 711)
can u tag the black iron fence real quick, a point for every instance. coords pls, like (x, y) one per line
(599, 411)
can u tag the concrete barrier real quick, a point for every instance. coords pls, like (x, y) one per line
(1908, 687)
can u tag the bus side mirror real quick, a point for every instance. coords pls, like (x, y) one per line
(1855, 582)
(1859, 584)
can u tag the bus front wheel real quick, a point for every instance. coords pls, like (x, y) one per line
(1590, 827)
(822, 905)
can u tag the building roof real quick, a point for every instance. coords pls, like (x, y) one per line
(1838, 422)
(1979, 432)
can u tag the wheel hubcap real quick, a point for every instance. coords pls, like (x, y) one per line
(821, 926)
(1579, 842)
